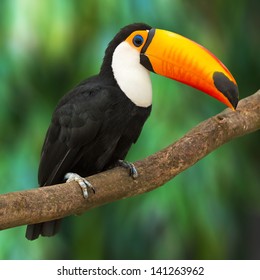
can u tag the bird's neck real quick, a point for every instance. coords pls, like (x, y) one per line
(132, 78)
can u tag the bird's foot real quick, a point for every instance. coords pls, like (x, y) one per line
(130, 166)
(83, 183)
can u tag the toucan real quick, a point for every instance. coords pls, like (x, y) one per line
(95, 124)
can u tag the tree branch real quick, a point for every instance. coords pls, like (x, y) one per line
(48, 203)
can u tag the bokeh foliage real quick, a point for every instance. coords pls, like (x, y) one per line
(212, 210)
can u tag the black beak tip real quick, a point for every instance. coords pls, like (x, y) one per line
(227, 87)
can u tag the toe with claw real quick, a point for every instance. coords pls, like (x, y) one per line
(130, 166)
(84, 184)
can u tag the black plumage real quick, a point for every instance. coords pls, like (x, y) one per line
(92, 127)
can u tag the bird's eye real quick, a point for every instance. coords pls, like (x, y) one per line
(138, 40)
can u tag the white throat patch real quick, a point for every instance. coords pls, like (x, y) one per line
(133, 79)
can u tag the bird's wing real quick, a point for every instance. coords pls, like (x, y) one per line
(75, 123)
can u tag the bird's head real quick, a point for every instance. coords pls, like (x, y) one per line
(173, 56)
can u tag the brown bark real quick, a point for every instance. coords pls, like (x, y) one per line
(48, 203)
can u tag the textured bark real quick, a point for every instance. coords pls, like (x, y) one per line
(48, 203)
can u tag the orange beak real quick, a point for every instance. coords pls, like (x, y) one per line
(176, 57)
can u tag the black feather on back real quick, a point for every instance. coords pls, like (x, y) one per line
(92, 127)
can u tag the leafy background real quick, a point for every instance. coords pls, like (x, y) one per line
(210, 211)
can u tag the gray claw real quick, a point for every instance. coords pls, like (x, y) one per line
(130, 166)
(84, 184)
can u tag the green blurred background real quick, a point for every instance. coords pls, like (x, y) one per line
(210, 211)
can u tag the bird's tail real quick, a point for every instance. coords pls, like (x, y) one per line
(49, 228)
